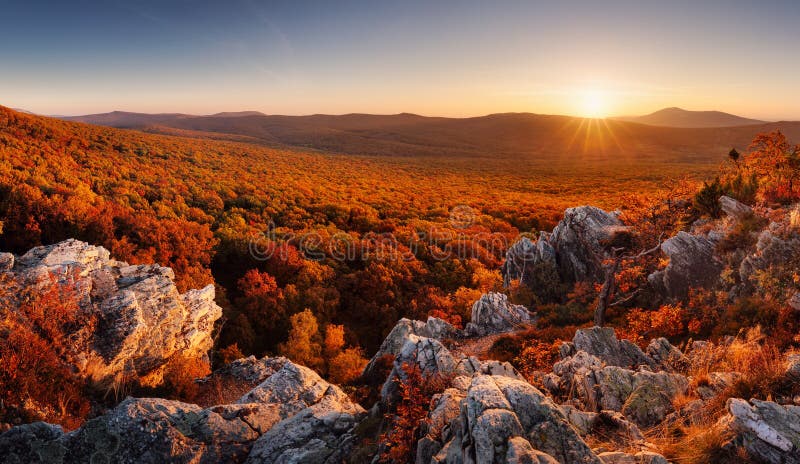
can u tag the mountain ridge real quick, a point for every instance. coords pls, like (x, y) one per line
(682, 118)
(518, 134)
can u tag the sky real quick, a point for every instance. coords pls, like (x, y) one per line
(446, 58)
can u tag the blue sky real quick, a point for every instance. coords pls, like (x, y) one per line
(451, 58)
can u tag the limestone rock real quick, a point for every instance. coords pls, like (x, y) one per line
(579, 238)
(667, 356)
(499, 415)
(768, 431)
(733, 208)
(770, 250)
(140, 320)
(6, 262)
(434, 328)
(794, 301)
(691, 264)
(316, 435)
(529, 262)
(602, 342)
(427, 354)
(493, 313)
(292, 416)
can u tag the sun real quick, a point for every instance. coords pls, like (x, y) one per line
(593, 103)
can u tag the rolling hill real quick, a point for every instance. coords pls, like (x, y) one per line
(678, 117)
(506, 135)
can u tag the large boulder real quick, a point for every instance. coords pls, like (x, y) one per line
(532, 263)
(692, 264)
(579, 242)
(602, 342)
(427, 355)
(771, 249)
(734, 208)
(135, 319)
(493, 313)
(392, 345)
(768, 431)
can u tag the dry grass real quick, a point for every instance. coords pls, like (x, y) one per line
(698, 438)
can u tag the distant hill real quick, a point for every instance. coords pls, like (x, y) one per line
(678, 117)
(508, 135)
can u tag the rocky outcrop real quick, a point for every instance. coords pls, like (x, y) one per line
(692, 264)
(573, 252)
(602, 342)
(768, 431)
(503, 420)
(135, 319)
(771, 249)
(392, 345)
(529, 262)
(292, 413)
(493, 313)
(579, 241)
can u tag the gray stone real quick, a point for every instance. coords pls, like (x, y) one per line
(768, 431)
(602, 342)
(142, 321)
(493, 313)
(734, 208)
(579, 241)
(692, 264)
(527, 260)
(434, 328)
(6, 262)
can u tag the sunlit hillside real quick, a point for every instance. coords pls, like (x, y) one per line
(194, 204)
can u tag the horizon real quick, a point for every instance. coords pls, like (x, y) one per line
(411, 113)
(451, 59)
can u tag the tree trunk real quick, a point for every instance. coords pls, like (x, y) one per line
(606, 292)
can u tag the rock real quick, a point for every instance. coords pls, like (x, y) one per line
(770, 250)
(617, 457)
(6, 262)
(532, 263)
(472, 366)
(647, 405)
(251, 369)
(666, 355)
(611, 387)
(794, 301)
(648, 457)
(520, 451)
(643, 457)
(294, 388)
(135, 318)
(296, 414)
(602, 342)
(768, 431)
(582, 421)
(316, 435)
(692, 264)
(505, 420)
(492, 314)
(734, 208)
(793, 366)
(434, 328)
(138, 430)
(33, 443)
(579, 239)
(717, 382)
(427, 354)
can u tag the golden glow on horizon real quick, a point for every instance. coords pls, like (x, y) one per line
(593, 103)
